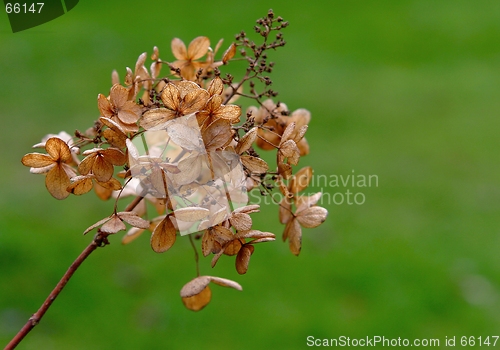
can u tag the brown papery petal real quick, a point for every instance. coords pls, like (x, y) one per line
(37, 160)
(179, 49)
(113, 225)
(216, 86)
(133, 219)
(198, 301)
(230, 112)
(255, 234)
(312, 217)
(171, 96)
(104, 106)
(207, 242)
(164, 235)
(217, 134)
(230, 52)
(254, 164)
(155, 119)
(105, 189)
(194, 101)
(246, 141)
(130, 112)
(295, 237)
(243, 259)
(198, 48)
(102, 170)
(80, 185)
(114, 156)
(118, 95)
(301, 180)
(287, 133)
(57, 181)
(213, 103)
(58, 149)
(241, 221)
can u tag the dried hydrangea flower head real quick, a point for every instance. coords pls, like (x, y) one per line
(180, 142)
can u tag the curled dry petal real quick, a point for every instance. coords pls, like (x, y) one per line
(230, 52)
(196, 294)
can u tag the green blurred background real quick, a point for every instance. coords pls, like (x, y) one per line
(406, 90)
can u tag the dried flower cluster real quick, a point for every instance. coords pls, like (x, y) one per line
(180, 142)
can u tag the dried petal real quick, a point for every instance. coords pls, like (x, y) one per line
(113, 225)
(164, 235)
(246, 141)
(198, 48)
(58, 149)
(254, 164)
(216, 86)
(198, 301)
(241, 221)
(312, 217)
(294, 237)
(179, 49)
(217, 134)
(156, 118)
(133, 219)
(80, 185)
(57, 181)
(230, 52)
(243, 258)
(37, 160)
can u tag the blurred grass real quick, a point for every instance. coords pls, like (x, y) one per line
(405, 90)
